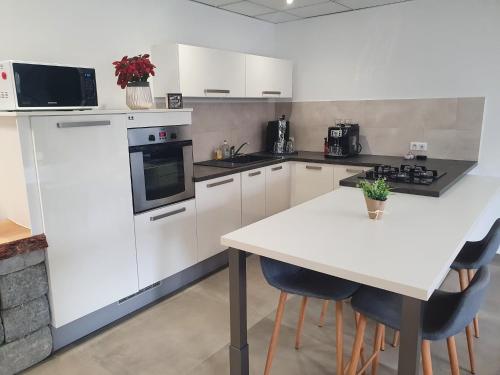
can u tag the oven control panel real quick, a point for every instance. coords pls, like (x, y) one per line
(154, 135)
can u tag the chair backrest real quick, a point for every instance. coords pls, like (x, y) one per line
(275, 271)
(491, 243)
(469, 302)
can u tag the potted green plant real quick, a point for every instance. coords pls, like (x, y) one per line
(376, 194)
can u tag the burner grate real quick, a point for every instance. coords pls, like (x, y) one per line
(410, 174)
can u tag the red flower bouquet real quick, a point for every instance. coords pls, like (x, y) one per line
(133, 69)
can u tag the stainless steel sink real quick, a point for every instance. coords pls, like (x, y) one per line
(235, 162)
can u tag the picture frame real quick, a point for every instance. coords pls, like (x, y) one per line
(174, 101)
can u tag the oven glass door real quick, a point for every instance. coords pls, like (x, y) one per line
(161, 174)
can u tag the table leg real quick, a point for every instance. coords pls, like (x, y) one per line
(411, 336)
(238, 348)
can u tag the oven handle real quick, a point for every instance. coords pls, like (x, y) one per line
(167, 214)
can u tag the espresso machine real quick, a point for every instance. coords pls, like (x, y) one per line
(343, 141)
(278, 140)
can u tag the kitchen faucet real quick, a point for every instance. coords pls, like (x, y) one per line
(235, 153)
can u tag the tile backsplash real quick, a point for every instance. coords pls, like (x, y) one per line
(237, 122)
(450, 126)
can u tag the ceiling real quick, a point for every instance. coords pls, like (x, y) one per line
(278, 11)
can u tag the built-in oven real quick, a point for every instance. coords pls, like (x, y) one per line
(161, 165)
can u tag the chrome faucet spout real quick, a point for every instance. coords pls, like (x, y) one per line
(239, 148)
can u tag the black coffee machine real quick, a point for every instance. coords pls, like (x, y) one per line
(343, 141)
(277, 136)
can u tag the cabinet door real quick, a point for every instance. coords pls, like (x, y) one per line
(268, 77)
(84, 174)
(218, 211)
(206, 72)
(310, 180)
(165, 241)
(277, 188)
(343, 171)
(253, 196)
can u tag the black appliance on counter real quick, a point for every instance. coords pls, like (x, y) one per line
(410, 174)
(277, 136)
(343, 141)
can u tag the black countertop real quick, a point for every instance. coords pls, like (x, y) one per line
(454, 169)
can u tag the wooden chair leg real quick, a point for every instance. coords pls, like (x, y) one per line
(382, 342)
(452, 353)
(300, 323)
(470, 347)
(377, 346)
(356, 348)
(322, 317)
(470, 274)
(339, 321)
(395, 339)
(463, 279)
(276, 333)
(426, 357)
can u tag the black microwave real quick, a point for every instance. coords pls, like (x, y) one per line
(32, 86)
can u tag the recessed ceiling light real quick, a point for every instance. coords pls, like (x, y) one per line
(289, 2)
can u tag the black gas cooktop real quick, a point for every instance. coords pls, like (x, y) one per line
(406, 173)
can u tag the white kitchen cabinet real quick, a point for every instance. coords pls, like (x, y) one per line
(277, 188)
(268, 77)
(310, 180)
(253, 196)
(198, 71)
(165, 241)
(218, 211)
(83, 168)
(344, 171)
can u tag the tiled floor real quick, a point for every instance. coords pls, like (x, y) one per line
(189, 333)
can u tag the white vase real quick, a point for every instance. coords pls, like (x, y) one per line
(139, 95)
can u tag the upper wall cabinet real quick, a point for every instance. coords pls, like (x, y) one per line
(198, 72)
(268, 77)
(204, 72)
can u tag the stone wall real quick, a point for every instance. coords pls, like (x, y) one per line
(25, 336)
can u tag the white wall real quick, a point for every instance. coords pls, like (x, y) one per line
(97, 32)
(418, 49)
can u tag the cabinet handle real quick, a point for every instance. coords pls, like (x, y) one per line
(314, 167)
(80, 124)
(271, 92)
(254, 174)
(214, 184)
(353, 170)
(167, 214)
(217, 91)
(277, 168)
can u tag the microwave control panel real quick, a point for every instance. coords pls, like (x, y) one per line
(7, 97)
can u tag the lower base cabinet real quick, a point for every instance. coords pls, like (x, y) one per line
(218, 206)
(165, 241)
(343, 171)
(253, 196)
(277, 188)
(310, 180)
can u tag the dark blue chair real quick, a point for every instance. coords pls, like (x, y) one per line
(290, 279)
(445, 315)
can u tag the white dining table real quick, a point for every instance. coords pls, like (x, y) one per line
(408, 252)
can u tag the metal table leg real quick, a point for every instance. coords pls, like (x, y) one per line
(238, 348)
(411, 337)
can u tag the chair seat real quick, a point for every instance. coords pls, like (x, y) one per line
(385, 307)
(300, 281)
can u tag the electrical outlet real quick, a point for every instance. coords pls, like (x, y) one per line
(418, 146)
